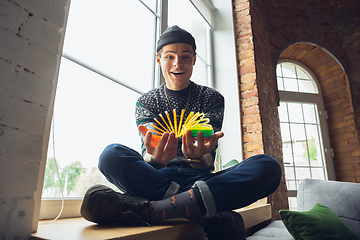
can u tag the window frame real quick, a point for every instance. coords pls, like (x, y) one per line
(316, 98)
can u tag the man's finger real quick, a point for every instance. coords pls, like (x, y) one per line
(172, 141)
(219, 135)
(163, 141)
(189, 140)
(171, 146)
(149, 147)
(200, 139)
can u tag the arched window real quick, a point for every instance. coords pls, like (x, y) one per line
(293, 78)
(306, 147)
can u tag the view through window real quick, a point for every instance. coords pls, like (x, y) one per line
(93, 110)
(108, 62)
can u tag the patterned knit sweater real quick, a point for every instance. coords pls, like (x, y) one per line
(202, 99)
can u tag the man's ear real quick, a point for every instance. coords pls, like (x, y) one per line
(158, 60)
(194, 59)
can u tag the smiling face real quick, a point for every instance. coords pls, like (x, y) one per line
(176, 61)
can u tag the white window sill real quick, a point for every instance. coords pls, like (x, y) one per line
(50, 208)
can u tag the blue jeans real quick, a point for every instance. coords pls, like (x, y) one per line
(232, 188)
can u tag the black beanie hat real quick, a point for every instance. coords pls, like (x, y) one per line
(174, 34)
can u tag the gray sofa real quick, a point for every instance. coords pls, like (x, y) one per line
(341, 197)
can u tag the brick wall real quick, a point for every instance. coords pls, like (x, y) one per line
(258, 98)
(31, 39)
(251, 124)
(334, 27)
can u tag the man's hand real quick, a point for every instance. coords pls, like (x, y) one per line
(201, 149)
(163, 152)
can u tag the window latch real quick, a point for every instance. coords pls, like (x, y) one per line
(330, 150)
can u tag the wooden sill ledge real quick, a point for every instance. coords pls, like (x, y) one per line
(177, 229)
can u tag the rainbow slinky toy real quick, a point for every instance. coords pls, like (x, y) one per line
(195, 122)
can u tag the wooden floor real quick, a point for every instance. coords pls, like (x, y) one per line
(178, 229)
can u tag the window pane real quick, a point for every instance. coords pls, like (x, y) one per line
(287, 154)
(299, 144)
(91, 112)
(293, 204)
(200, 74)
(291, 184)
(151, 4)
(283, 113)
(301, 74)
(100, 35)
(315, 154)
(295, 113)
(309, 113)
(288, 70)
(301, 174)
(285, 132)
(289, 173)
(280, 83)
(199, 33)
(278, 70)
(306, 86)
(290, 84)
(318, 173)
(194, 24)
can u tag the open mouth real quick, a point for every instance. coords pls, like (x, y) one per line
(177, 73)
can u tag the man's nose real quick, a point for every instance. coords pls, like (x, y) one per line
(177, 61)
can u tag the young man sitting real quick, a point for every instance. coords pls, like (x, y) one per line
(175, 179)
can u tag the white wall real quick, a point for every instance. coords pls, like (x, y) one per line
(31, 36)
(226, 80)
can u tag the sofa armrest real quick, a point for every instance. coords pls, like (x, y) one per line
(341, 197)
